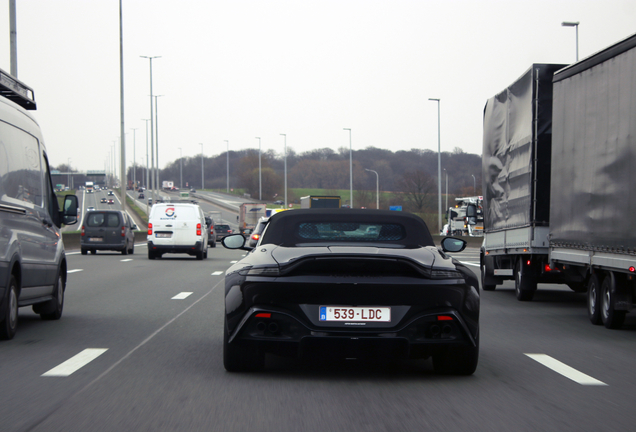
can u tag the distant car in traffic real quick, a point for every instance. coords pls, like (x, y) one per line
(279, 202)
(111, 201)
(222, 231)
(193, 190)
(211, 233)
(110, 193)
(107, 230)
(141, 196)
(103, 200)
(258, 231)
(90, 208)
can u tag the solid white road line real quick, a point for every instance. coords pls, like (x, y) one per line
(126, 260)
(181, 295)
(565, 370)
(76, 362)
(75, 271)
(216, 273)
(233, 262)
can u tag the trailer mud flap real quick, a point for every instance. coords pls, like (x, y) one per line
(622, 288)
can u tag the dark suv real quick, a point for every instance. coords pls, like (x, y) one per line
(107, 230)
(222, 231)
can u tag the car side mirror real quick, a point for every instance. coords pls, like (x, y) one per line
(69, 211)
(235, 241)
(451, 244)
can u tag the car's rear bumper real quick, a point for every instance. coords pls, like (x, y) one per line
(188, 249)
(102, 246)
(283, 334)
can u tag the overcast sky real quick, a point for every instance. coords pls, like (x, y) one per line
(235, 70)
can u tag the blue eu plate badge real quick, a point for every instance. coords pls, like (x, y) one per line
(323, 313)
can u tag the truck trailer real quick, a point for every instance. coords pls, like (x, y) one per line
(249, 214)
(314, 201)
(559, 181)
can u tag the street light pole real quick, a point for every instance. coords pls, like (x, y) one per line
(285, 155)
(134, 160)
(228, 165)
(260, 189)
(157, 137)
(576, 25)
(152, 136)
(180, 169)
(439, 168)
(68, 175)
(377, 188)
(202, 175)
(350, 170)
(446, 204)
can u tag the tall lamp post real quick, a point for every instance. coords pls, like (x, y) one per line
(227, 168)
(180, 169)
(152, 136)
(446, 204)
(439, 168)
(68, 175)
(576, 25)
(285, 157)
(377, 188)
(202, 178)
(157, 138)
(134, 159)
(260, 189)
(350, 170)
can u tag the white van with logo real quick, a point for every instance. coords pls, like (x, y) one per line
(177, 228)
(32, 259)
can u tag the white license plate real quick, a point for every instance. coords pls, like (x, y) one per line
(164, 235)
(353, 314)
(95, 239)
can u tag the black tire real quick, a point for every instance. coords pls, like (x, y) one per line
(484, 285)
(213, 244)
(9, 324)
(84, 251)
(93, 252)
(131, 251)
(612, 318)
(52, 309)
(205, 254)
(151, 255)
(239, 356)
(124, 251)
(525, 281)
(594, 300)
(457, 361)
(199, 255)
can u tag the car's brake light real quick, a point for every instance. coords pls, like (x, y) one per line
(83, 233)
(123, 231)
(198, 229)
(149, 229)
(229, 231)
(255, 236)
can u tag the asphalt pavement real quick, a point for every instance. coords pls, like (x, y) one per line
(139, 348)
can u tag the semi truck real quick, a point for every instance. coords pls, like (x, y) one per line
(166, 184)
(466, 218)
(89, 187)
(558, 168)
(314, 201)
(249, 214)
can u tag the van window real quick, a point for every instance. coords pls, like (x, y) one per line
(96, 219)
(20, 166)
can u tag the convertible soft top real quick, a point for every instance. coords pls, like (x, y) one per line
(302, 226)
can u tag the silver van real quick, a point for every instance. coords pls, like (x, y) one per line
(111, 230)
(32, 259)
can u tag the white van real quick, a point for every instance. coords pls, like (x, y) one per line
(32, 260)
(177, 228)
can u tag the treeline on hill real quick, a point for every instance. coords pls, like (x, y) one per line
(410, 175)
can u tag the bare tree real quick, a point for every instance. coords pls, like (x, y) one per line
(417, 187)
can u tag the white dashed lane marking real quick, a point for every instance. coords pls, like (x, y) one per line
(126, 260)
(181, 295)
(565, 370)
(233, 262)
(75, 271)
(216, 273)
(76, 362)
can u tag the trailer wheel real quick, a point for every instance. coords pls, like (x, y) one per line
(525, 281)
(486, 275)
(612, 318)
(594, 300)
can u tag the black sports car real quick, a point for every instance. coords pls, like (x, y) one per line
(350, 284)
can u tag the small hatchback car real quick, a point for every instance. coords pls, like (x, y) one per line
(107, 230)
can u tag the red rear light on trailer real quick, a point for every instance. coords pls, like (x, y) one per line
(547, 268)
(149, 229)
(198, 229)
(528, 262)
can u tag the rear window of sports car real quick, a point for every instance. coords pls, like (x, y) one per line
(348, 232)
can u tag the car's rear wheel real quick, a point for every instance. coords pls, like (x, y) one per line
(124, 251)
(93, 251)
(239, 356)
(457, 361)
(199, 255)
(132, 248)
(9, 324)
(52, 309)
(213, 244)
(84, 251)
